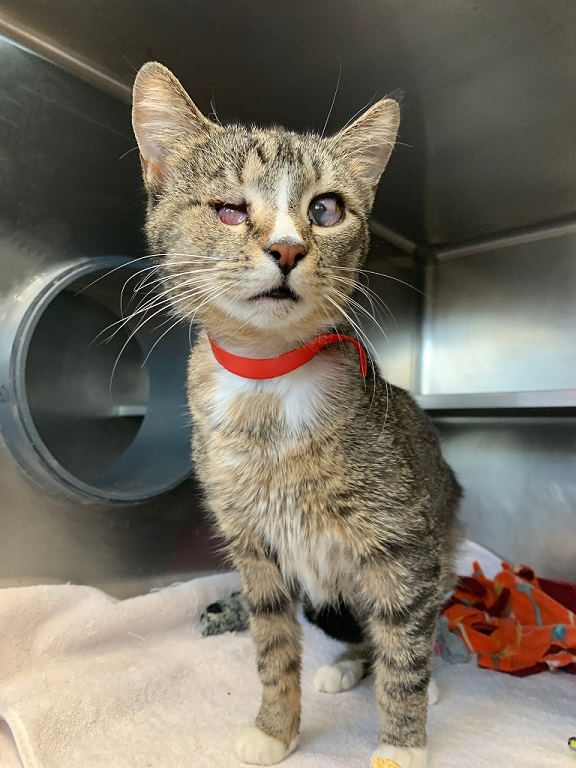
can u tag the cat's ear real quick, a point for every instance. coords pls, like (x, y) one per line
(368, 142)
(164, 118)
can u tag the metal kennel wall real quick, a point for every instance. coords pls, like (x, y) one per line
(474, 250)
(94, 460)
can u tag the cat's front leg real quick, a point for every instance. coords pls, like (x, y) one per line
(276, 633)
(402, 625)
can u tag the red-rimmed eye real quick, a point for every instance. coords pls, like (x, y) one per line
(325, 211)
(232, 214)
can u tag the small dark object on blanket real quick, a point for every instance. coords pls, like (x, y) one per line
(227, 615)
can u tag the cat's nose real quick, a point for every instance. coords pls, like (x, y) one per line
(287, 255)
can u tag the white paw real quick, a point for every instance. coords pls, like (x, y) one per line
(433, 693)
(337, 677)
(254, 747)
(387, 756)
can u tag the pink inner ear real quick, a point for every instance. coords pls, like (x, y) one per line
(153, 126)
(163, 114)
(158, 116)
(153, 172)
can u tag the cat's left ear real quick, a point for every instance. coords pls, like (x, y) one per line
(165, 120)
(368, 142)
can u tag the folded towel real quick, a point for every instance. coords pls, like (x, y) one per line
(90, 682)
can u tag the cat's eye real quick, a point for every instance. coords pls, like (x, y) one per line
(232, 215)
(325, 211)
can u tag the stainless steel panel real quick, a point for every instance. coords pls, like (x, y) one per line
(67, 190)
(493, 401)
(502, 319)
(67, 185)
(489, 118)
(126, 551)
(520, 488)
(485, 146)
(391, 317)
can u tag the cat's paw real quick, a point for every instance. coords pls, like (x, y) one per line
(387, 756)
(340, 676)
(254, 747)
(433, 693)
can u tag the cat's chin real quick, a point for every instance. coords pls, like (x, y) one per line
(266, 331)
(268, 314)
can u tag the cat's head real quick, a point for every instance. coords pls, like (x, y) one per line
(260, 230)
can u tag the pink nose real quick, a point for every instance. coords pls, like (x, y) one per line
(287, 255)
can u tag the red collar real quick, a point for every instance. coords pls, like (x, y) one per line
(271, 367)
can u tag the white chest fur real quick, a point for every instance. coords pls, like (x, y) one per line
(308, 554)
(306, 394)
(316, 563)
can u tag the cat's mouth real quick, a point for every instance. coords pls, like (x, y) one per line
(283, 292)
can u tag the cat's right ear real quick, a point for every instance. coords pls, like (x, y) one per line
(164, 118)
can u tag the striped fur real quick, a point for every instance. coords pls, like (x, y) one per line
(321, 482)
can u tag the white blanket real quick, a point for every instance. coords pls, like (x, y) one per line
(90, 682)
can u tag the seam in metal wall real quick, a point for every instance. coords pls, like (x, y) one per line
(72, 61)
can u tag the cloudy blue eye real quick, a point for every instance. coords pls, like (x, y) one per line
(325, 211)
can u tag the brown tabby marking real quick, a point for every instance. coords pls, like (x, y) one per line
(321, 481)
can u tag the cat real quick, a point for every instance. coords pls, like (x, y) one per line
(322, 481)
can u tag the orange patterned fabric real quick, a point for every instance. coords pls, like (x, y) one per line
(511, 623)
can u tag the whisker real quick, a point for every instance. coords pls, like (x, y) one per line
(159, 299)
(128, 340)
(380, 312)
(367, 314)
(354, 325)
(138, 328)
(150, 272)
(362, 337)
(110, 272)
(357, 328)
(370, 295)
(162, 303)
(186, 255)
(334, 97)
(214, 295)
(172, 326)
(354, 116)
(213, 105)
(132, 149)
(135, 289)
(381, 274)
(355, 283)
(134, 296)
(175, 290)
(174, 278)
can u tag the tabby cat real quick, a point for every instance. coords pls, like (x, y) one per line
(325, 483)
